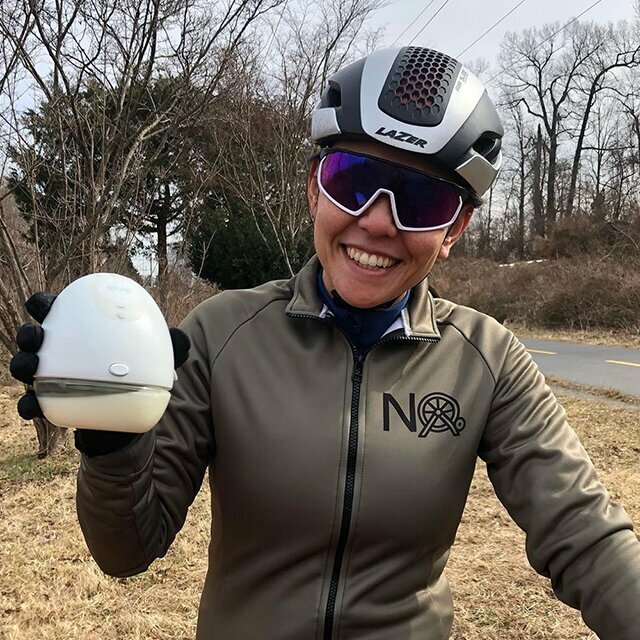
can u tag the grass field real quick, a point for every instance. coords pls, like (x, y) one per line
(50, 587)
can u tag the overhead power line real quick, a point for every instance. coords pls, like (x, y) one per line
(490, 29)
(554, 34)
(412, 23)
(265, 56)
(430, 20)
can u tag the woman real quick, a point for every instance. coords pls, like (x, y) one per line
(341, 412)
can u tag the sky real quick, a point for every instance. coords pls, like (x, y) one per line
(460, 22)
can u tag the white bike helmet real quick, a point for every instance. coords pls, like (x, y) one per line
(419, 100)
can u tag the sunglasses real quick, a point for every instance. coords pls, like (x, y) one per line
(419, 201)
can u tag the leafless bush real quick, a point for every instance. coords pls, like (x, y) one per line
(185, 291)
(482, 284)
(586, 292)
(578, 235)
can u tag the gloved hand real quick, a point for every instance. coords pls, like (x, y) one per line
(24, 365)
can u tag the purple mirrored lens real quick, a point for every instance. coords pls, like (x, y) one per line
(348, 179)
(422, 202)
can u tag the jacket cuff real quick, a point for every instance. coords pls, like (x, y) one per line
(97, 443)
(124, 461)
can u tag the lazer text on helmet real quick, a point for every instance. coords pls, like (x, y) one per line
(401, 136)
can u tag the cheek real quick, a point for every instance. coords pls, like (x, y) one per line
(329, 222)
(424, 253)
(424, 247)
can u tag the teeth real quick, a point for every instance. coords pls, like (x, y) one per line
(370, 261)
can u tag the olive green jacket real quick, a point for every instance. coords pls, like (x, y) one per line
(338, 480)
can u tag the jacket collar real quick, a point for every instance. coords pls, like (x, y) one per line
(418, 316)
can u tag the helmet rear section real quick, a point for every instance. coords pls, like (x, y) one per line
(419, 100)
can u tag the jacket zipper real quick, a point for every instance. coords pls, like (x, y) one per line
(349, 487)
(347, 505)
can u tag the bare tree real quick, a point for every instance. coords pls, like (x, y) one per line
(616, 48)
(94, 67)
(540, 69)
(263, 134)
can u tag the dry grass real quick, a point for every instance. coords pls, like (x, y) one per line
(50, 587)
(497, 594)
(592, 336)
(566, 386)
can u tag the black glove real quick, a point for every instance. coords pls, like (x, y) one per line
(24, 364)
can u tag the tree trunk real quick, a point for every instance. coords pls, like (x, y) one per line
(576, 157)
(538, 214)
(597, 206)
(521, 202)
(48, 436)
(551, 213)
(164, 211)
(636, 129)
(489, 246)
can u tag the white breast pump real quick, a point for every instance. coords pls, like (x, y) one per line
(106, 361)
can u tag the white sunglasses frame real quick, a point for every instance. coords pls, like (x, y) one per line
(392, 199)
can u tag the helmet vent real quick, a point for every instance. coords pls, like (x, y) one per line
(488, 146)
(333, 97)
(419, 85)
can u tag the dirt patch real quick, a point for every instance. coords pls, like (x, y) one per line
(51, 588)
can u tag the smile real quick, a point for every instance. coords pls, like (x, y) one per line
(370, 260)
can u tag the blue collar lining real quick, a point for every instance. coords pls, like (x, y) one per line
(363, 327)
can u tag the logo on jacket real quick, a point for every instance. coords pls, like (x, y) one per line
(436, 412)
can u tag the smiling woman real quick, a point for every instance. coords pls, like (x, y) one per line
(366, 258)
(341, 413)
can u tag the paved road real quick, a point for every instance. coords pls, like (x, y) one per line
(596, 366)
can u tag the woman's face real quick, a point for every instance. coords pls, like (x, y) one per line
(408, 256)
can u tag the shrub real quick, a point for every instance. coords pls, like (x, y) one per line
(584, 292)
(184, 292)
(587, 295)
(580, 235)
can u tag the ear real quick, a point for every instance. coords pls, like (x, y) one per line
(312, 187)
(455, 231)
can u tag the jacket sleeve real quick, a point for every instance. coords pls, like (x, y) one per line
(575, 535)
(132, 502)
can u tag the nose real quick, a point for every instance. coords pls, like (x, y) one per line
(377, 219)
